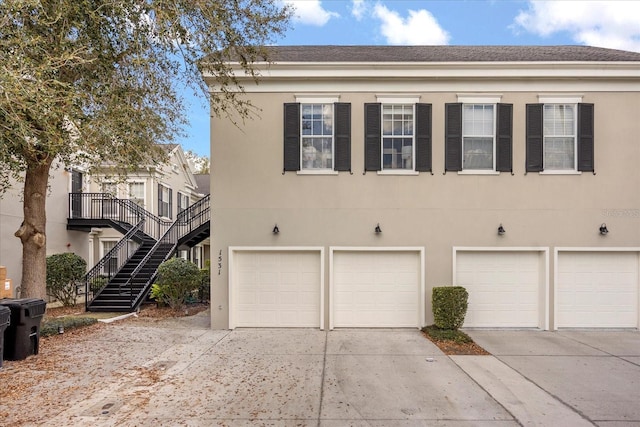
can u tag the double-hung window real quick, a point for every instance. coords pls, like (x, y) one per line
(317, 135)
(183, 202)
(478, 135)
(397, 136)
(164, 201)
(136, 192)
(560, 136)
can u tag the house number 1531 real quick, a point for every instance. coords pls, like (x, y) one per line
(220, 262)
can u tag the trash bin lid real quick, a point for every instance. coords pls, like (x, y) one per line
(32, 307)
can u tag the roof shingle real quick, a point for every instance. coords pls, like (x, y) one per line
(333, 53)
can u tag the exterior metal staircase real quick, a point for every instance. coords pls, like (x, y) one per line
(123, 277)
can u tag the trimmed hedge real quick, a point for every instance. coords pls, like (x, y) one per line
(449, 306)
(50, 326)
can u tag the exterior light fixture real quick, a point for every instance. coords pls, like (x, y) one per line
(378, 230)
(276, 230)
(603, 229)
(501, 230)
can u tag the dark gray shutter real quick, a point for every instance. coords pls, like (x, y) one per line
(159, 200)
(585, 138)
(453, 137)
(423, 137)
(534, 136)
(342, 136)
(372, 136)
(504, 138)
(170, 203)
(291, 136)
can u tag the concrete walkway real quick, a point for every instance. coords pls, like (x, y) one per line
(179, 372)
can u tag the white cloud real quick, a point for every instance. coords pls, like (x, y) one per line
(420, 27)
(358, 9)
(311, 12)
(612, 24)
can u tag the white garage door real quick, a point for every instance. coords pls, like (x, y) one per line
(376, 289)
(597, 289)
(504, 288)
(276, 289)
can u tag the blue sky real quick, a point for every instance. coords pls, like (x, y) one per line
(612, 24)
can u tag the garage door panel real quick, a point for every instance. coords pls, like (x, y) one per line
(504, 287)
(276, 289)
(375, 289)
(597, 289)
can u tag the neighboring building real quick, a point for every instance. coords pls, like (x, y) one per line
(59, 240)
(164, 190)
(390, 170)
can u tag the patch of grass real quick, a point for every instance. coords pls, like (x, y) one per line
(50, 326)
(454, 335)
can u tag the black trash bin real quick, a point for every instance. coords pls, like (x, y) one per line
(5, 317)
(21, 338)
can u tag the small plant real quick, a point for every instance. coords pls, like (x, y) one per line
(449, 305)
(177, 279)
(63, 271)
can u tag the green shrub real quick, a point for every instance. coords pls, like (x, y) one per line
(97, 283)
(204, 288)
(454, 335)
(63, 271)
(177, 279)
(50, 326)
(449, 306)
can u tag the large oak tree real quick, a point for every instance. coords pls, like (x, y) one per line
(95, 81)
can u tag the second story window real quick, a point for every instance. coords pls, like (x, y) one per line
(136, 193)
(397, 136)
(164, 201)
(559, 146)
(478, 136)
(317, 136)
(560, 136)
(183, 202)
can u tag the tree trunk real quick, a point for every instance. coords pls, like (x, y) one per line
(33, 233)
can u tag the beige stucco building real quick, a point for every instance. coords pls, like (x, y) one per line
(389, 170)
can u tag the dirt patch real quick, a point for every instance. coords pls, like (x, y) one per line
(152, 311)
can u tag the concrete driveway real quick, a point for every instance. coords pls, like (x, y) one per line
(179, 372)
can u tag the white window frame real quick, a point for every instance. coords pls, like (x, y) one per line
(180, 197)
(397, 100)
(485, 99)
(162, 201)
(103, 252)
(318, 100)
(573, 100)
(144, 193)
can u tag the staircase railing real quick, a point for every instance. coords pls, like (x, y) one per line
(97, 278)
(188, 220)
(107, 207)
